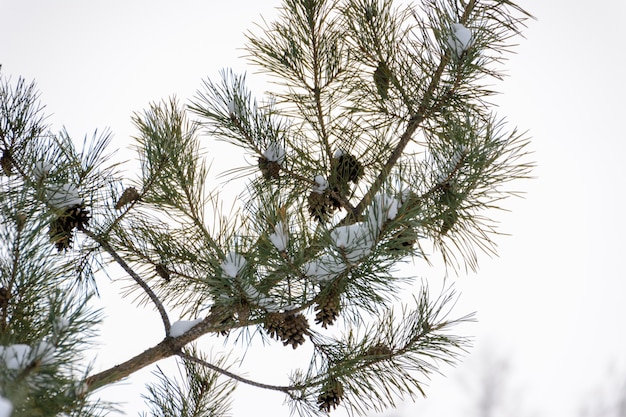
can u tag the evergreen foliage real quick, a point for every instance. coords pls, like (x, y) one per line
(377, 141)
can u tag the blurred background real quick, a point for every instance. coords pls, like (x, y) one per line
(550, 339)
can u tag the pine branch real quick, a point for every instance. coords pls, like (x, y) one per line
(169, 346)
(424, 110)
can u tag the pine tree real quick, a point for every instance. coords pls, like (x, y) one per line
(377, 141)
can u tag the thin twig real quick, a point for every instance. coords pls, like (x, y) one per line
(285, 389)
(157, 302)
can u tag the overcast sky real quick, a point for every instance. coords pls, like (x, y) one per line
(552, 303)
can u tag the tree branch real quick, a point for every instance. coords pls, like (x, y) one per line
(167, 347)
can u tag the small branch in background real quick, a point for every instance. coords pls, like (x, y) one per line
(157, 302)
(285, 389)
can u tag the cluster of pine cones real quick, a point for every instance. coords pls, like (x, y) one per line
(345, 168)
(288, 327)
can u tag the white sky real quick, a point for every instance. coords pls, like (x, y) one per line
(553, 302)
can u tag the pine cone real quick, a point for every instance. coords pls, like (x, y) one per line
(328, 307)
(6, 162)
(348, 168)
(272, 324)
(379, 349)
(128, 196)
(21, 220)
(61, 228)
(60, 234)
(331, 395)
(269, 169)
(163, 272)
(289, 328)
(320, 206)
(382, 77)
(5, 296)
(77, 216)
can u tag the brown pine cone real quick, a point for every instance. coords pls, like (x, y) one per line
(289, 328)
(379, 349)
(328, 307)
(128, 196)
(331, 395)
(6, 162)
(320, 206)
(269, 169)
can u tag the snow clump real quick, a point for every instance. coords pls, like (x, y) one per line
(63, 196)
(15, 356)
(41, 170)
(19, 356)
(275, 153)
(233, 264)
(356, 240)
(261, 300)
(460, 39)
(320, 184)
(280, 237)
(384, 207)
(181, 327)
(44, 352)
(324, 269)
(61, 324)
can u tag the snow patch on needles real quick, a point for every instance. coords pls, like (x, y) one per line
(233, 264)
(460, 39)
(356, 240)
(452, 165)
(15, 356)
(280, 237)
(44, 352)
(61, 324)
(182, 326)
(6, 407)
(261, 300)
(324, 269)
(232, 108)
(63, 196)
(275, 153)
(41, 170)
(320, 184)
(19, 356)
(384, 207)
